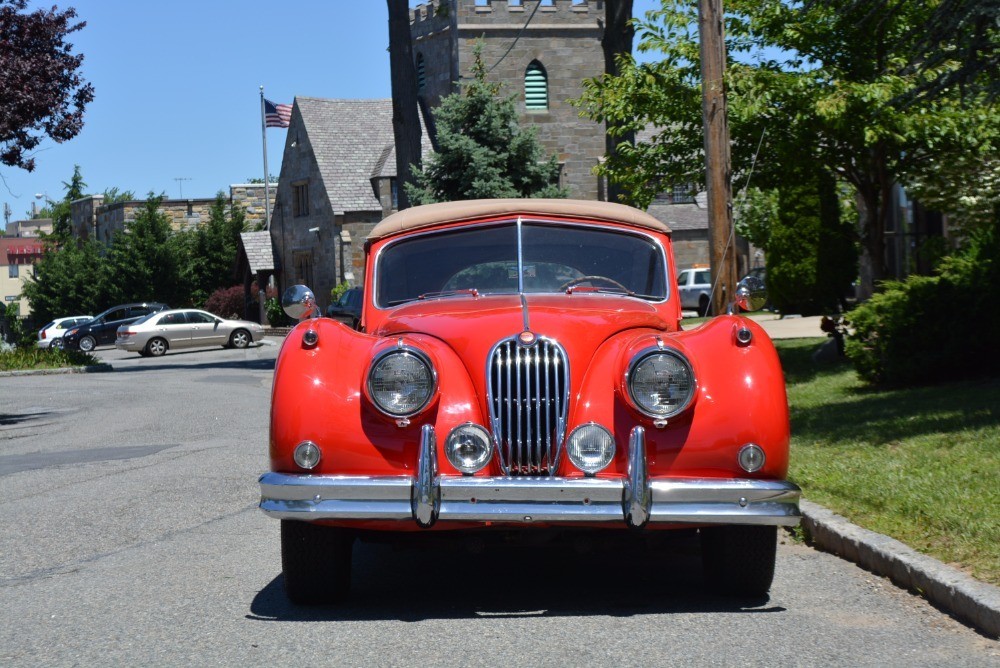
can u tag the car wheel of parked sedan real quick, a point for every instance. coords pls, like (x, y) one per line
(739, 560)
(156, 347)
(315, 562)
(239, 339)
(57, 344)
(87, 344)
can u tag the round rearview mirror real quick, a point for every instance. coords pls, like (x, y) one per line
(751, 295)
(299, 302)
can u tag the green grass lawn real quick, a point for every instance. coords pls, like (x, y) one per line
(920, 464)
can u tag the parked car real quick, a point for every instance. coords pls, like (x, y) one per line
(520, 364)
(103, 329)
(50, 336)
(156, 333)
(347, 309)
(695, 287)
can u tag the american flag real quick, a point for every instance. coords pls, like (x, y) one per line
(277, 115)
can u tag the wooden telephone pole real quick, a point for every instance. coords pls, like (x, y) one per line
(718, 167)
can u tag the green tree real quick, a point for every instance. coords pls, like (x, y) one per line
(844, 93)
(482, 152)
(144, 262)
(211, 250)
(67, 280)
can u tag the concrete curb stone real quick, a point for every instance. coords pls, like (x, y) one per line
(94, 368)
(973, 602)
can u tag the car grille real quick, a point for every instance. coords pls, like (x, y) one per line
(528, 390)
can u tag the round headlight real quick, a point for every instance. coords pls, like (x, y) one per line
(401, 382)
(468, 448)
(306, 454)
(661, 383)
(591, 448)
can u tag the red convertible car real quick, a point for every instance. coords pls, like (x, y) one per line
(521, 365)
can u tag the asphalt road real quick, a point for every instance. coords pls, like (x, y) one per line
(130, 536)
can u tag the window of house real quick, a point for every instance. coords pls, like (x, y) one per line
(303, 268)
(394, 189)
(300, 199)
(682, 193)
(536, 87)
(421, 73)
(13, 271)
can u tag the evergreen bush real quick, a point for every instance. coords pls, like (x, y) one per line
(933, 328)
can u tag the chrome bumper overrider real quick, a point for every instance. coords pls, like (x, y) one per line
(429, 497)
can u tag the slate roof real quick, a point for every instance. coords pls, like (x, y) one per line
(352, 142)
(258, 250)
(679, 216)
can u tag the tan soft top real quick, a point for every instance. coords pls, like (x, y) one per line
(452, 212)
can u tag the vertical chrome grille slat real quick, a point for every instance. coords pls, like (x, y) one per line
(528, 399)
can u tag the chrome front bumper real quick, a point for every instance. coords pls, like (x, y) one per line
(428, 497)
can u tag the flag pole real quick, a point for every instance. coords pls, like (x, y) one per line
(267, 178)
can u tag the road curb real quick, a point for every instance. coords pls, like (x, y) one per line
(973, 602)
(94, 368)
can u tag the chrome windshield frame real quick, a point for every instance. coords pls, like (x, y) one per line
(519, 222)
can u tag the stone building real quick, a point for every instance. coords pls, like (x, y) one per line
(338, 179)
(18, 256)
(541, 52)
(93, 219)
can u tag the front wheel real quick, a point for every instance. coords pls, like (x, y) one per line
(87, 344)
(739, 560)
(57, 344)
(704, 306)
(239, 339)
(315, 562)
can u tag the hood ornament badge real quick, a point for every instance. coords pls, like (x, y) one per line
(527, 338)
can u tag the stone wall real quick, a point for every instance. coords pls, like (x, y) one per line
(565, 38)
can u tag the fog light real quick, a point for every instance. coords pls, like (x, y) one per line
(469, 448)
(591, 447)
(306, 454)
(751, 458)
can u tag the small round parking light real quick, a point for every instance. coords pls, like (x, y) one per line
(591, 448)
(469, 448)
(751, 458)
(306, 455)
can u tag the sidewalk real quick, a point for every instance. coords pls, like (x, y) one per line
(789, 327)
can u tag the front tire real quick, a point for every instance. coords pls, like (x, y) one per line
(704, 306)
(315, 562)
(87, 344)
(156, 347)
(239, 339)
(739, 560)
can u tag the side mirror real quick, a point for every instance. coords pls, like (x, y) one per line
(299, 302)
(751, 295)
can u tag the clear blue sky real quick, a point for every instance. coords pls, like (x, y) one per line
(176, 89)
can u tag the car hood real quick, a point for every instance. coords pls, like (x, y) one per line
(471, 326)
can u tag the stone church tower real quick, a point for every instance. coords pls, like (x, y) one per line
(539, 50)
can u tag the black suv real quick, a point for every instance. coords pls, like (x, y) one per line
(102, 330)
(347, 309)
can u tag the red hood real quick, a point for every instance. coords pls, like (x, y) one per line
(471, 326)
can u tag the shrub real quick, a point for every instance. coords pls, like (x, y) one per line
(227, 302)
(933, 328)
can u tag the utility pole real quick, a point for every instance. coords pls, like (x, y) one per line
(718, 167)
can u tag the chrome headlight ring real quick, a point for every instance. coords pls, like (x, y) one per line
(660, 382)
(401, 381)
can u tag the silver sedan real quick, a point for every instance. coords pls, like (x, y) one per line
(156, 333)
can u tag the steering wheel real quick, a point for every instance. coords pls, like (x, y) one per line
(592, 280)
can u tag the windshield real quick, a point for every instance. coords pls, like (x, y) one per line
(144, 318)
(552, 258)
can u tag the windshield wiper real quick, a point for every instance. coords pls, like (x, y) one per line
(592, 288)
(450, 293)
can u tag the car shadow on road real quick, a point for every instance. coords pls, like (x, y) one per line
(254, 365)
(412, 584)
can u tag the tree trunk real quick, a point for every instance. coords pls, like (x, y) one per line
(617, 38)
(405, 115)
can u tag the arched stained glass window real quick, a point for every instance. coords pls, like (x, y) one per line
(536, 87)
